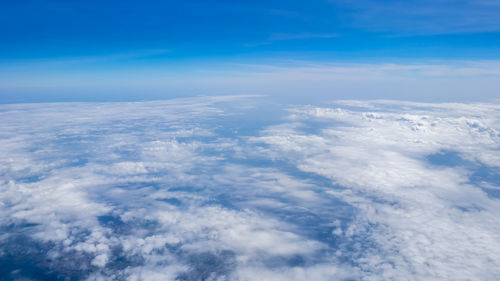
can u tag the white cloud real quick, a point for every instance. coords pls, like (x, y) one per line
(426, 222)
(153, 191)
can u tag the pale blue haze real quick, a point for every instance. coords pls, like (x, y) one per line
(130, 50)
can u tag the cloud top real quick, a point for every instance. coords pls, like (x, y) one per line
(197, 189)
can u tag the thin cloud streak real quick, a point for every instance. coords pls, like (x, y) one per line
(412, 18)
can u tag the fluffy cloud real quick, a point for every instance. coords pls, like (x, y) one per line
(190, 190)
(425, 220)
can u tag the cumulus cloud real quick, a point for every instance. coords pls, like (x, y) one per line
(426, 221)
(186, 190)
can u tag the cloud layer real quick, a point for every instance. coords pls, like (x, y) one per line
(234, 188)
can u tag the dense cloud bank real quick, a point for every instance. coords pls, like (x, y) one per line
(234, 188)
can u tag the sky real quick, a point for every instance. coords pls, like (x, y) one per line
(250, 140)
(131, 50)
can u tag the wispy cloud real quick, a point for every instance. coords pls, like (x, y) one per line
(422, 17)
(84, 59)
(276, 37)
(425, 80)
(298, 36)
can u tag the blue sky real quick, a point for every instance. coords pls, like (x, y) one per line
(87, 50)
